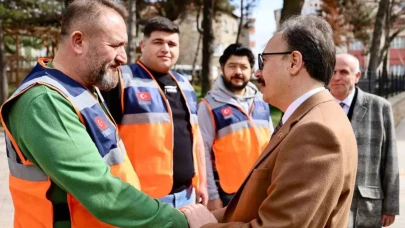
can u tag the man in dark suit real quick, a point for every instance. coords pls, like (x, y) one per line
(376, 196)
(305, 177)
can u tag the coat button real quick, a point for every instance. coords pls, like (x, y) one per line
(280, 135)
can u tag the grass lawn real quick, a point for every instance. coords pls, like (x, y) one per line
(275, 115)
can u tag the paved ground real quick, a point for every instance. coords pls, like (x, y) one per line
(7, 211)
(6, 206)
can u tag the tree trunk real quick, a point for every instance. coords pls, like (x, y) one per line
(290, 8)
(208, 48)
(240, 21)
(3, 71)
(385, 67)
(376, 39)
(131, 26)
(195, 58)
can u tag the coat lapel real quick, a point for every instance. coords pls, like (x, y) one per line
(303, 109)
(360, 109)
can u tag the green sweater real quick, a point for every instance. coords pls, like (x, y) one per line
(51, 135)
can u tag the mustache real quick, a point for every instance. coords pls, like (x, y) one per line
(113, 64)
(237, 77)
(260, 80)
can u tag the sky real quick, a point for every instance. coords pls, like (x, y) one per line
(265, 24)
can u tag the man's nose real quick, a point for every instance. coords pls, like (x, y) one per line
(238, 70)
(258, 73)
(165, 48)
(121, 58)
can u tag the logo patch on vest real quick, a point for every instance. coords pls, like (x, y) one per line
(170, 89)
(105, 130)
(144, 96)
(227, 112)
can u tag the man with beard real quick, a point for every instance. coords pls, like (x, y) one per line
(235, 124)
(156, 111)
(68, 166)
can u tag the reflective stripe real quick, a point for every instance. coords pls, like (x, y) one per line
(194, 119)
(11, 152)
(131, 81)
(233, 128)
(126, 71)
(26, 172)
(45, 79)
(213, 103)
(114, 157)
(145, 118)
(140, 82)
(122, 146)
(84, 100)
(261, 123)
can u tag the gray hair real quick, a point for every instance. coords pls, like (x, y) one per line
(83, 14)
(312, 36)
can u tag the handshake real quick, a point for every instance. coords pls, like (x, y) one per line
(198, 215)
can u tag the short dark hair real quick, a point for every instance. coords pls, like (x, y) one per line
(312, 36)
(160, 24)
(238, 50)
(85, 13)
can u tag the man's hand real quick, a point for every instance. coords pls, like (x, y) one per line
(202, 194)
(214, 204)
(198, 215)
(387, 220)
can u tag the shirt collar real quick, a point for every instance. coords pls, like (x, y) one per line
(293, 106)
(349, 99)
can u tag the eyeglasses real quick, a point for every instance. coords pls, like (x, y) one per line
(260, 57)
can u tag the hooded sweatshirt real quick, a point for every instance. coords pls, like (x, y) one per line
(207, 127)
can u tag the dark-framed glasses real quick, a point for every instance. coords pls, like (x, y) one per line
(260, 57)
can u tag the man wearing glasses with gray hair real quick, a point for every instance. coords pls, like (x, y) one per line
(305, 177)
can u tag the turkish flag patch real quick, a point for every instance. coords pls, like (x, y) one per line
(226, 111)
(143, 96)
(100, 123)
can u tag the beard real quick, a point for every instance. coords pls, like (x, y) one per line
(235, 87)
(99, 74)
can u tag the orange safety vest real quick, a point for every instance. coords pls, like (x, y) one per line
(239, 141)
(29, 184)
(147, 128)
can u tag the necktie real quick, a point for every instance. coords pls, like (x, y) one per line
(342, 104)
(279, 125)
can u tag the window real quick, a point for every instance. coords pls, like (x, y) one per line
(356, 46)
(398, 42)
(397, 69)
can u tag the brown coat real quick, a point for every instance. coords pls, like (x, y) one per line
(305, 177)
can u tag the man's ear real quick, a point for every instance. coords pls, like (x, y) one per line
(142, 44)
(358, 75)
(77, 42)
(296, 62)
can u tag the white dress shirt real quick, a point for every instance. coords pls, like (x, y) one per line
(293, 106)
(347, 101)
